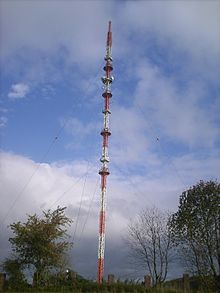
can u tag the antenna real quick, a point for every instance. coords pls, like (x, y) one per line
(104, 171)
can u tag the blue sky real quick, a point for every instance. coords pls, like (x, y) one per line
(164, 121)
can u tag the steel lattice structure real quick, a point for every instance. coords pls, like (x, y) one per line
(104, 171)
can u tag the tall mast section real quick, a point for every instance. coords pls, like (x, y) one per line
(107, 80)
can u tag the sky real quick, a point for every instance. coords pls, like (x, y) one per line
(164, 122)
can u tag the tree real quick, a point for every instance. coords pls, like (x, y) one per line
(16, 277)
(196, 229)
(150, 244)
(41, 243)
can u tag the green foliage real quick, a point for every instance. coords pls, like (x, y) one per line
(196, 229)
(16, 278)
(41, 243)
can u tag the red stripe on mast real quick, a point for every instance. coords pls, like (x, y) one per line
(104, 172)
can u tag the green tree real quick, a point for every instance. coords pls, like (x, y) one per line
(41, 243)
(14, 270)
(196, 229)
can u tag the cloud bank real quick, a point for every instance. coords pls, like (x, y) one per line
(75, 185)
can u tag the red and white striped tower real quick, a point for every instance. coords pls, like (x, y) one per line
(104, 172)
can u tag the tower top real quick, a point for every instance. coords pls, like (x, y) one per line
(109, 36)
(109, 26)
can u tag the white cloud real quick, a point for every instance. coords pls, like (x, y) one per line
(3, 121)
(51, 181)
(26, 25)
(48, 180)
(18, 90)
(179, 114)
(77, 128)
(61, 183)
(81, 132)
(191, 25)
(130, 142)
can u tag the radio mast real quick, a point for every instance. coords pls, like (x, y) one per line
(107, 80)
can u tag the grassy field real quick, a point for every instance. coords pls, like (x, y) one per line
(113, 290)
(144, 290)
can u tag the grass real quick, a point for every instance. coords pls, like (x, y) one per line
(115, 290)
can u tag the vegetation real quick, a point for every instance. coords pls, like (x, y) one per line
(196, 230)
(39, 246)
(149, 240)
(16, 279)
(80, 285)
